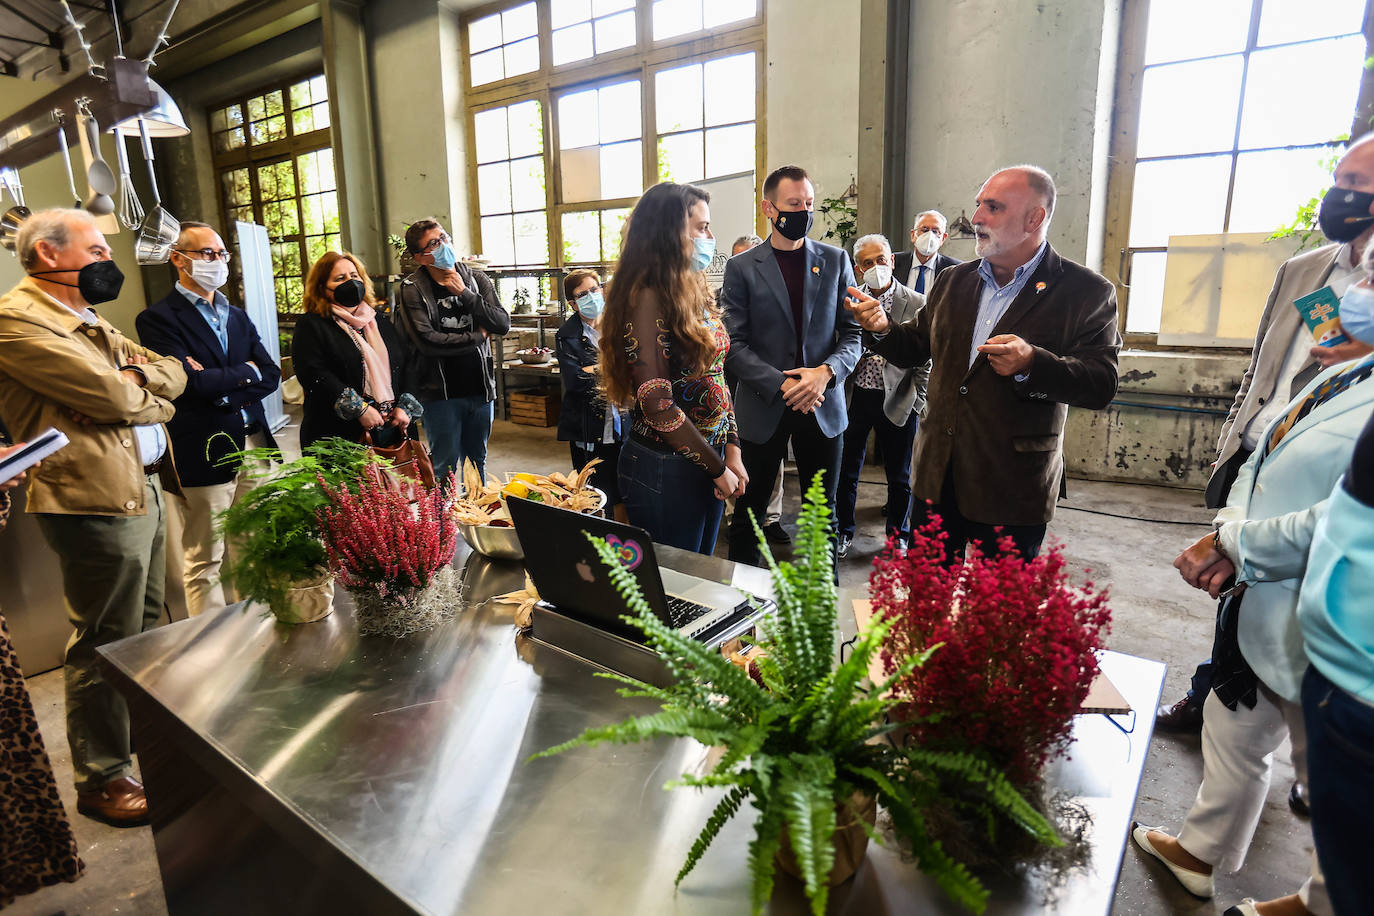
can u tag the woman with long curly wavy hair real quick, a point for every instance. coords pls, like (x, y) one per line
(663, 348)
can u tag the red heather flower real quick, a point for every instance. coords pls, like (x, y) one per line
(391, 540)
(1018, 654)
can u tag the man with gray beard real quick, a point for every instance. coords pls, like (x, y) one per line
(1016, 337)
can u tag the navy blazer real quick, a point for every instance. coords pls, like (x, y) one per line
(763, 343)
(217, 396)
(901, 265)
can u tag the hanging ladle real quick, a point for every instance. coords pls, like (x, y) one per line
(67, 159)
(100, 179)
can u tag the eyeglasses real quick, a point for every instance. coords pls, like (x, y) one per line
(433, 246)
(924, 229)
(205, 254)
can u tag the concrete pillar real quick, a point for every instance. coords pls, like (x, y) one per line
(350, 114)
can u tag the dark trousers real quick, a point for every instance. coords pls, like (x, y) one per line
(1201, 681)
(606, 475)
(815, 453)
(963, 531)
(1340, 758)
(669, 497)
(894, 444)
(113, 576)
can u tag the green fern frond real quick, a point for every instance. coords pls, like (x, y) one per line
(704, 725)
(763, 849)
(994, 786)
(725, 809)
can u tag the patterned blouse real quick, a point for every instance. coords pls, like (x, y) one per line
(669, 394)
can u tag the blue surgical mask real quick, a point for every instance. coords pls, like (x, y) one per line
(1357, 313)
(590, 305)
(705, 251)
(443, 257)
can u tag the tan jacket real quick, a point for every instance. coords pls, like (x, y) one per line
(52, 363)
(1298, 276)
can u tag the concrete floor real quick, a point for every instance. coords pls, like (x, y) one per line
(1155, 616)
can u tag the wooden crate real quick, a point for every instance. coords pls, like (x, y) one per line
(534, 409)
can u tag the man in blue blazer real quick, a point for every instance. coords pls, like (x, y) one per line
(792, 344)
(228, 373)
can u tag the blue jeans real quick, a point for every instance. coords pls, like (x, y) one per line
(1340, 759)
(669, 497)
(865, 414)
(458, 429)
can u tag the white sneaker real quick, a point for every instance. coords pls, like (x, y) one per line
(1194, 882)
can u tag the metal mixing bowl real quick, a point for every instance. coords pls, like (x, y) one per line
(500, 543)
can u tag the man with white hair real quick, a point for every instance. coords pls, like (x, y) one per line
(885, 399)
(990, 454)
(99, 500)
(918, 268)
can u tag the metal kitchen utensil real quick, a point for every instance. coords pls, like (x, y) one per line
(156, 237)
(15, 215)
(130, 207)
(66, 158)
(160, 229)
(100, 180)
(9, 224)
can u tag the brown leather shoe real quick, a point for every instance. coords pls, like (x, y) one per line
(120, 803)
(1183, 716)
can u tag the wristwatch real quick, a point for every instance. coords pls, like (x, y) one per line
(1217, 545)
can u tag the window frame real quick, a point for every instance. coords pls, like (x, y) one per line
(1117, 250)
(639, 61)
(252, 157)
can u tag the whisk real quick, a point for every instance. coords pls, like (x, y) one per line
(130, 207)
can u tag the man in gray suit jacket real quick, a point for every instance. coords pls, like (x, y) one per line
(884, 399)
(1283, 360)
(792, 343)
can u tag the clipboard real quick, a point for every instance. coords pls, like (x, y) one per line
(1103, 696)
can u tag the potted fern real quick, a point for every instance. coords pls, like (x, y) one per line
(804, 738)
(277, 557)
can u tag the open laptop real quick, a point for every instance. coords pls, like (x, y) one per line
(569, 575)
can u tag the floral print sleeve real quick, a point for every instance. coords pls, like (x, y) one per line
(677, 409)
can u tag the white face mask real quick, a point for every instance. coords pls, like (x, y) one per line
(878, 277)
(210, 275)
(927, 243)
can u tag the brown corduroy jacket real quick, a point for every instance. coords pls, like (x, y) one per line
(1004, 438)
(52, 363)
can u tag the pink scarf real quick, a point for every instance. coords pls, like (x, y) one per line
(361, 323)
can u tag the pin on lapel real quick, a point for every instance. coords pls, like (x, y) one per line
(815, 270)
(1040, 287)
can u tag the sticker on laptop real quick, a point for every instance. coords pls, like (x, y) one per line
(627, 551)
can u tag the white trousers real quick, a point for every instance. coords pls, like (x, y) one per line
(1237, 760)
(202, 547)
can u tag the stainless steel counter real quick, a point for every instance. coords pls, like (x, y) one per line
(307, 770)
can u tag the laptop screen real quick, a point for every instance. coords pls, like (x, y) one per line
(569, 574)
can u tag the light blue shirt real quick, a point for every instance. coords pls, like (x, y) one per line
(994, 300)
(216, 315)
(1333, 607)
(152, 441)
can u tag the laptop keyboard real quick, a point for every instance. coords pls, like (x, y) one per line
(682, 612)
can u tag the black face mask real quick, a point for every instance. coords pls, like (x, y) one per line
(349, 293)
(98, 281)
(1344, 214)
(793, 224)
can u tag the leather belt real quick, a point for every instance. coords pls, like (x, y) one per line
(150, 469)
